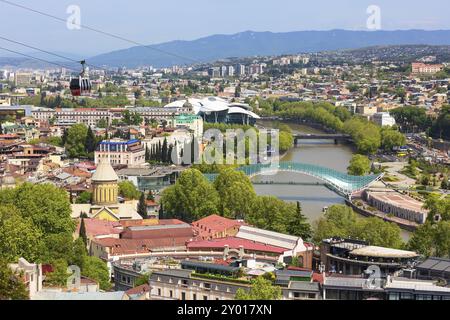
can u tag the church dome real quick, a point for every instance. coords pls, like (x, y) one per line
(104, 172)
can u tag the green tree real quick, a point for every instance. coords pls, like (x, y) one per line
(76, 139)
(54, 141)
(128, 190)
(82, 232)
(432, 239)
(94, 268)
(378, 232)
(192, 197)
(102, 123)
(45, 204)
(18, 236)
(441, 126)
(91, 141)
(444, 184)
(337, 222)
(271, 213)
(142, 207)
(141, 280)
(438, 206)
(286, 141)
(299, 225)
(58, 277)
(11, 285)
(79, 253)
(366, 135)
(57, 247)
(359, 165)
(261, 289)
(236, 193)
(84, 197)
(392, 138)
(342, 221)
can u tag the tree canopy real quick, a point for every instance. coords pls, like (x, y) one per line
(359, 165)
(11, 286)
(128, 190)
(236, 193)
(261, 289)
(342, 221)
(192, 197)
(75, 142)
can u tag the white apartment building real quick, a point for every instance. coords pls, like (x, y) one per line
(383, 119)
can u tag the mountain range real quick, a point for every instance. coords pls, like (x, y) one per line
(249, 43)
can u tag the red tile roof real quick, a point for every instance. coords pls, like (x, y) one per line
(96, 227)
(234, 243)
(208, 226)
(138, 290)
(317, 277)
(133, 246)
(184, 231)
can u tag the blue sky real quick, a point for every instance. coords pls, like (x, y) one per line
(155, 21)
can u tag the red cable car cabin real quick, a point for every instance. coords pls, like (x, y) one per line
(82, 85)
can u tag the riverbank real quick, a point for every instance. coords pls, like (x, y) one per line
(403, 224)
(314, 198)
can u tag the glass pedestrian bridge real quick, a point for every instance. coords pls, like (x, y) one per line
(340, 182)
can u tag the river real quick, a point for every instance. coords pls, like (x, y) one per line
(323, 153)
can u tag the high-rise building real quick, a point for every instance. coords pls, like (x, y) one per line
(240, 69)
(214, 72)
(231, 71)
(223, 71)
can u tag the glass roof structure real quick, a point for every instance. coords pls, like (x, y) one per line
(340, 182)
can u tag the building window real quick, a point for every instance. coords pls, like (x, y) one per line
(205, 297)
(171, 293)
(194, 297)
(159, 292)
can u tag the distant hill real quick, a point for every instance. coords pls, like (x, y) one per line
(249, 43)
(265, 43)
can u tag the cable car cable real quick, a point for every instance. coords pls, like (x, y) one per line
(35, 58)
(100, 31)
(51, 53)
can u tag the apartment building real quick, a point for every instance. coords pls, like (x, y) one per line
(120, 152)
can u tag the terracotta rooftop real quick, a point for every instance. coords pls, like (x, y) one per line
(138, 290)
(213, 224)
(133, 246)
(96, 227)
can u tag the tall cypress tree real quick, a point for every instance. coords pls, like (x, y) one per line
(147, 153)
(82, 233)
(161, 212)
(90, 141)
(169, 154)
(64, 137)
(158, 153)
(299, 225)
(164, 151)
(142, 207)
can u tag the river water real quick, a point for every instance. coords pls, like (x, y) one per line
(323, 153)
